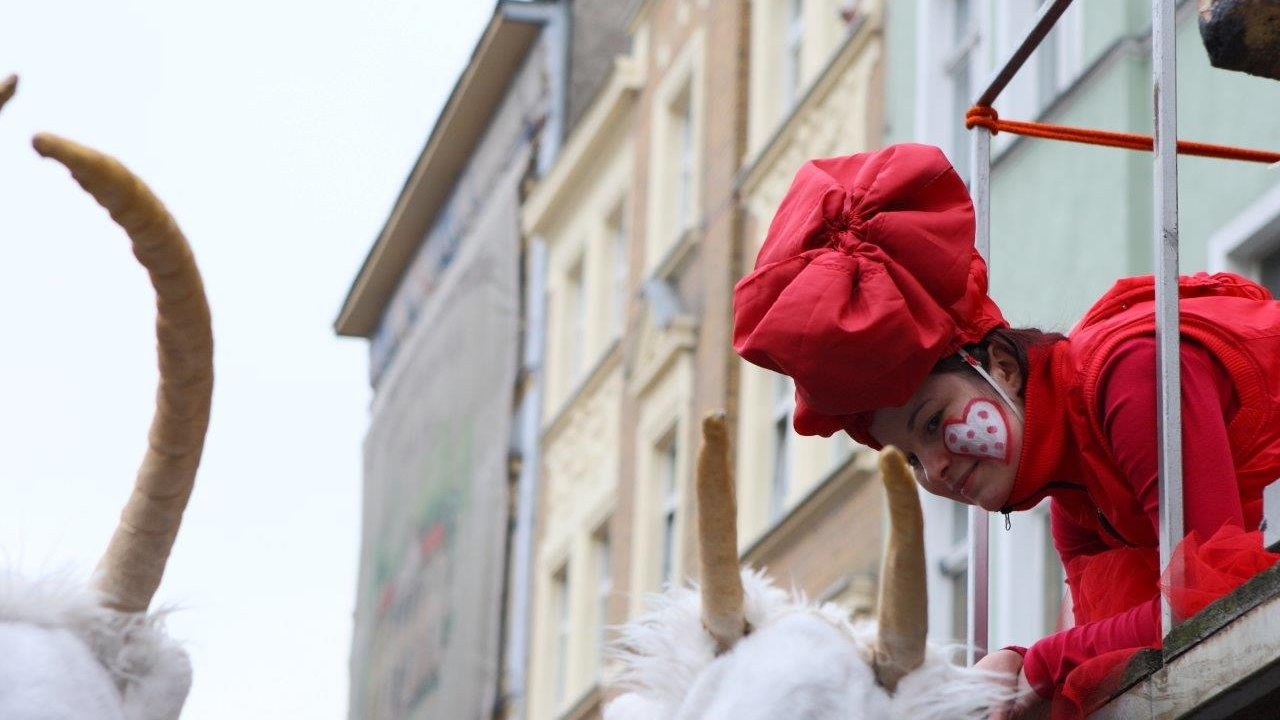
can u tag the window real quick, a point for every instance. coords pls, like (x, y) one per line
(616, 232)
(1055, 64)
(674, 199)
(682, 127)
(791, 53)
(561, 606)
(602, 549)
(783, 409)
(958, 41)
(1047, 63)
(576, 312)
(668, 469)
(959, 69)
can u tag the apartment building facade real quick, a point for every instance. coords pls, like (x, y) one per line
(1068, 220)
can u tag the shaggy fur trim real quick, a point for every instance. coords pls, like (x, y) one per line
(663, 652)
(128, 645)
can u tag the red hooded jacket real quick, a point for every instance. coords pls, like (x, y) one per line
(1231, 358)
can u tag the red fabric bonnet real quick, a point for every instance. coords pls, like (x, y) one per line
(867, 277)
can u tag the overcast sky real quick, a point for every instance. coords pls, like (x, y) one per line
(279, 133)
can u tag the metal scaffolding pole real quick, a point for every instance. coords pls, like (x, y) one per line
(1168, 370)
(978, 577)
(979, 582)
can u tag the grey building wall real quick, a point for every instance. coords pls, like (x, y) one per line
(513, 126)
(427, 632)
(599, 34)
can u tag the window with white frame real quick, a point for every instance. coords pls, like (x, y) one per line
(601, 548)
(1249, 243)
(616, 233)
(952, 49)
(560, 604)
(668, 468)
(960, 67)
(780, 480)
(792, 47)
(1051, 69)
(576, 320)
(674, 206)
(681, 110)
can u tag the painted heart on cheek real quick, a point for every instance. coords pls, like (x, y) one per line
(981, 432)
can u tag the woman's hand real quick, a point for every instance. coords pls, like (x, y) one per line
(1026, 703)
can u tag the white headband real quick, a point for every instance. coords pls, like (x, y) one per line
(973, 363)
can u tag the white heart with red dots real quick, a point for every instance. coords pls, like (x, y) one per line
(982, 432)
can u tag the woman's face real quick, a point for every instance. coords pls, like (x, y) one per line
(960, 437)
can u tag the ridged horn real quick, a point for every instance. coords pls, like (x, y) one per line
(721, 579)
(903, 612)
(133, 564)
(8, 87)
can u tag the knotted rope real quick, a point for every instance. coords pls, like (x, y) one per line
(987, 117)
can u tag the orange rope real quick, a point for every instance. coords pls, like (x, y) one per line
(980, 116)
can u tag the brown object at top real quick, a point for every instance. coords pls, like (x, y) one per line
(1242, 35)
(8, 87)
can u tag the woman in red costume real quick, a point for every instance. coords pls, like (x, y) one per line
(868, 293)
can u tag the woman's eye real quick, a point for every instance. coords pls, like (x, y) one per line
(934, 423)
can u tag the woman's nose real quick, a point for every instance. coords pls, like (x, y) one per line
(937, 464)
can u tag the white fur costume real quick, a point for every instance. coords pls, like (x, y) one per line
(802, 661)
(796, 660)
(75, 652)
(63, 655)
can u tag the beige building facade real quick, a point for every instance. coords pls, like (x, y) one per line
(656, 206)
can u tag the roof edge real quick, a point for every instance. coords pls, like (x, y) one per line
(480, 89)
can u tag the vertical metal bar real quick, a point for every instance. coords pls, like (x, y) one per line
(1169, 391)
(979, 584)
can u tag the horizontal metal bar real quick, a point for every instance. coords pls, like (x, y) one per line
(1045, 20)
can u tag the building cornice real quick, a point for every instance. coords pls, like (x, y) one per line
(478, 93)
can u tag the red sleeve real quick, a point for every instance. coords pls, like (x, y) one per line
(1049, 661)
(1128, 398)
(1210, 498)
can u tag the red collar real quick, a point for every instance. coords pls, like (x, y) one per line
(1050, 459)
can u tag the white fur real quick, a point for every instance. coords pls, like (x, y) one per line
(64, 656)
(801, 661)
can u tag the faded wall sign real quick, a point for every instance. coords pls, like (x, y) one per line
(428, 605)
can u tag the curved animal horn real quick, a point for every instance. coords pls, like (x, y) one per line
(903, 611)
(718, 537)
(8, 87)
(130, 571)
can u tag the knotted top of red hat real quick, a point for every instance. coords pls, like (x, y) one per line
(868, 276)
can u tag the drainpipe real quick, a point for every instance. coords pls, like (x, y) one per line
(555, 18)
